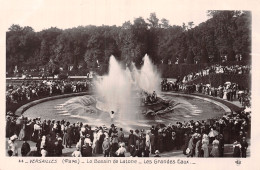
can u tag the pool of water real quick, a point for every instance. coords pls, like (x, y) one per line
(83, 109)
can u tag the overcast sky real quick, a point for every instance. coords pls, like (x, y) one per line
(41, 14)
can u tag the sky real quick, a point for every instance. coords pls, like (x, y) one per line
(42, 14)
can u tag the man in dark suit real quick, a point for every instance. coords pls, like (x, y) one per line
(244, 146)
(25, 148)
(131, 142)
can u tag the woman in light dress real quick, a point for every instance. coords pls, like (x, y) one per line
(22, 132)
(215, 150)
(225, 94)
(95, 145)
(205, 145)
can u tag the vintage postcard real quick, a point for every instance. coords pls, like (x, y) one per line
(125, 84)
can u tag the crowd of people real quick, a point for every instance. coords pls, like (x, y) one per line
(205, 138)
(218, 69)
(202, 138)
(228, 91)
(169, 85)
(16, 93)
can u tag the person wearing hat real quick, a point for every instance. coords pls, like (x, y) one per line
(131, 142)
(157, 154)
(114, 145)
(58, 145)
(12, 145)
(205, 146)
(120, 135)
(101, 138)
(237, 149)
(121, 151)
(198, 146)
(30, 129)
(36, 131)
(215, 148)
(142, 140)
(82, 131)
(147, 140)
(95, 145)
(221, 146)
(244, 146)
(152, 141)
(160, 138)
(191, 147)
(70, 135)
(76, 153)
(44, 127)
(106, 147)
(111, 130)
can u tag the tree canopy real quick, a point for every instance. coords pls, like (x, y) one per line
(225, 33)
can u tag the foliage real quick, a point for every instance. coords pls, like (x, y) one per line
(225, 33)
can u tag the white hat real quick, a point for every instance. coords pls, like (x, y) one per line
(83, 129)
(44, 152)
(13, 137)
(122, 144)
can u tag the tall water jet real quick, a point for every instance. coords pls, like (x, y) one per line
(120, 89)
(148, 77)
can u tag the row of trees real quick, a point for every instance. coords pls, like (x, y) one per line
(225, 33)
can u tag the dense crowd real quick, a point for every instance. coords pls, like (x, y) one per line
(37, 89)
(228, 91)
(218, 69)
(205, 138)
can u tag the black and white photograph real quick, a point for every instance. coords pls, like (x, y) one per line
(128, 79)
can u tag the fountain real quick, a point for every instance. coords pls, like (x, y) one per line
(120, 89)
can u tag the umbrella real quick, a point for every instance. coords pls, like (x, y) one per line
(213, 133)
